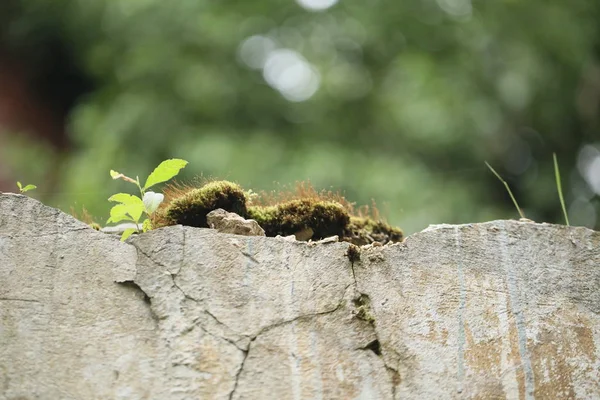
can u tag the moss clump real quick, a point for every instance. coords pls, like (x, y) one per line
(323, 218)
(191, 207)
(307, 214)
(353, 253)
(363, 230)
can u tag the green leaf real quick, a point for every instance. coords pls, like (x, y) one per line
(120, 213)
(147, 225)
(28, 188)
(115, 174)
(126, 198)
(165, 171)
(129, 212)
(135, 210)
(128, 232)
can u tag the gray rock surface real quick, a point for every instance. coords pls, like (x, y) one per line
(504, 309)
(228, 222)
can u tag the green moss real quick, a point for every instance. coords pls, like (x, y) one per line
(308, 218)
(192, 207)
(363, 308)
(361, 231)
(324, 218)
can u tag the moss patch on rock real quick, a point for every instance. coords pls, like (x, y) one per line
(363, 230)
(323, 218)
(191, 207)
(311, 215)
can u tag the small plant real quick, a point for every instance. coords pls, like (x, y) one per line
(131, 208)
(507, 189)
(559, 188)
(27, 188)
(85, 217)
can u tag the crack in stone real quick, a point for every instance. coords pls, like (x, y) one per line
(160, 264)
(147, 300)
(298, 318)
(17, 299)
(219, 322)
(230, 341)
(197, 321)
(395, 375)
(185, 295)
(239, 372)
(250, 257)
(354, 275)
(375, 345)
(171, 274)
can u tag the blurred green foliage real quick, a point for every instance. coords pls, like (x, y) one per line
(400, 102)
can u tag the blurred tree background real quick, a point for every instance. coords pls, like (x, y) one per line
(400, 102)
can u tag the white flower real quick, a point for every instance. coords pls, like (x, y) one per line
(152, 201)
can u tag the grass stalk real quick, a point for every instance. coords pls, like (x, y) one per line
(559, 188)
(507, 189)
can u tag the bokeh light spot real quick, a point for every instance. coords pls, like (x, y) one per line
(514, 89)
(254, 51)
(287, 71)
(316, 5)
(588, 163)
(456, 8)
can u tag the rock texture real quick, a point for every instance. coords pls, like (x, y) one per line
(504, 309)
(228, 222)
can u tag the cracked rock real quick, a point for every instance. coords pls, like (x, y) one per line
(505, 309)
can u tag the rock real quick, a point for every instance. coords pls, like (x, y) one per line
(228, 222)
(119, 229)
(504, 309)
(67, 329)
(330, 239)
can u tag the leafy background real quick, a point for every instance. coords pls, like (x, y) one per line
(400, 102)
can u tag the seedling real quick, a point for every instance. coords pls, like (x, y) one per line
(131, 208)
(507, 189)
(559, 188)
(27, 188)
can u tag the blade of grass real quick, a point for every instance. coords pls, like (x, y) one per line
(507, 189)
(559, 188)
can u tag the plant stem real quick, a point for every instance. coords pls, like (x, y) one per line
(559, 188)
(507, 189)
